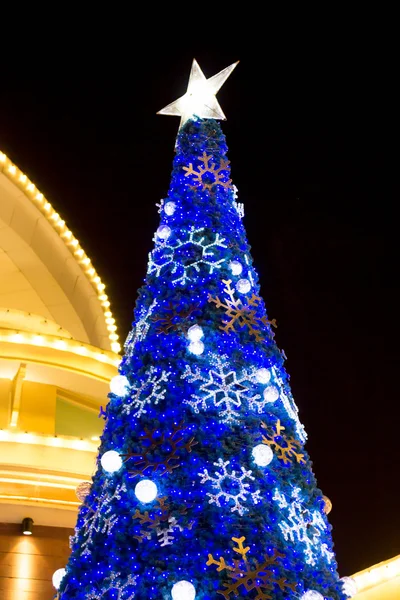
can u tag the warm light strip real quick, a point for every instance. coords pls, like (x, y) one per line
(39, 500)
(41, 440)
(378, 574)
(74, 481)
(21, 180)
(56, 343)
(62, 486)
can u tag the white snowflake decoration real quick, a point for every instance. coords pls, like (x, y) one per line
(101, 519)
(290, 406)
(165, 534)
(239, 489)
(149, 391)
(303, 525)
(223, 388)
(165, 253)
(239, 206)
(113, 584)
(140, 329)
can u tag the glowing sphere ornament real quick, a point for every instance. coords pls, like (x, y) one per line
(312, 595)
(263, 375)
(271, 393)
(195, 333)
(235, 267)
(163, 232)
(111, 461)
(57, 577)
(83, 490)
(183, 590)
(119, 385)
(169, 208)
(243, 286)
(196, 347)
(262, 455)
(327, 505)
(146, 490)
(349, 586)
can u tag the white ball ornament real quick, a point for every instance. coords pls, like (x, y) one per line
(146, 490)
(111, 461)
(271, 393)
(349, 586)
(119, 385)
(312, 595)
(243, 286)
(183, 590)
(263, 375)
(235, 267)
(262, 455)
(169, 208)
(57, 577)
(196, 347)
(195, 333)
(163, 232)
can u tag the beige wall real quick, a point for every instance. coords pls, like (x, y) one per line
(27, 563)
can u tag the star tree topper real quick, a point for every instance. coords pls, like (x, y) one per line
(200, 97)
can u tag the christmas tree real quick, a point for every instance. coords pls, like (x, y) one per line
(203, 485)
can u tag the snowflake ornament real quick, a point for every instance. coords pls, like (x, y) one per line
(139, 330)
(303, 525)
(242, 314)
(285, 447)
(209, 174)
(186, 256)
(160, 453)
(224, 389)
(230, 487)
(289, 405)
(162, 521)
(149, 391)
(100, 519)
(251, 575)
(113, 584)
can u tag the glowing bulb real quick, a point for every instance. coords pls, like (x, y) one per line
(262, 455)
(146, 490)
(263, 375)
(196, 347)
(349, 586)
(169, 208)
(163, 232)
(183, 590)
(312, 595)
(235, 267)
(111, 461)
(57, 577)
(195, 333)
(271, 393)
(119, 385)
(243, 286)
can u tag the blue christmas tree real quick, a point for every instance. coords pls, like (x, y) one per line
(203, 484)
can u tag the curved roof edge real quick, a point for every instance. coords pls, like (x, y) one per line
(18, 178)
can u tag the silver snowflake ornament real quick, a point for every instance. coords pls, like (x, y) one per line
(139, 330)
(230, 487)
(143, 393)
(224, 389)
(186, 256)
(114, 584)
(300, 524)
(99, 518)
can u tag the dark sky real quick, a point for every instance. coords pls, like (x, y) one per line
(313, 143)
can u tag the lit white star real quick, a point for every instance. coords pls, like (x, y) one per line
(199, 99)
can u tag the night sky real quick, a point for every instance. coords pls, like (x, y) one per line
(313, 145)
